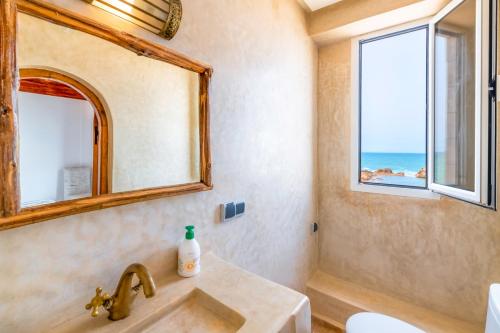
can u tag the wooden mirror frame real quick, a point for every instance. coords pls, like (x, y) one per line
(11, 215)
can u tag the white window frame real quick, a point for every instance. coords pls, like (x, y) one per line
(481, 105)
(356, 185)
(481, 117)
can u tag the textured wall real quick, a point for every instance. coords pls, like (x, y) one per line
(442, 254)
(263, 138)
(349, 11)
(349, 18)
(153, 106)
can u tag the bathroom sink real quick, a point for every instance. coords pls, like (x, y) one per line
(222, 298)
(196, 312)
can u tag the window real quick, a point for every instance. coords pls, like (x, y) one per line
(424, 107)
(393, 109)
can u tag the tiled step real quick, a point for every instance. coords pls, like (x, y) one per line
(334, 301)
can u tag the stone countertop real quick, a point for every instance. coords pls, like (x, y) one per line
(265, 305)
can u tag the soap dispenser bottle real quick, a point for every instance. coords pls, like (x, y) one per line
(189, 254)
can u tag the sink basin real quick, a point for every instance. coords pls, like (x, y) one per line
(222, 298)
(196, 312)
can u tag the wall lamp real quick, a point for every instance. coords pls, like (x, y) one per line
(162, 17)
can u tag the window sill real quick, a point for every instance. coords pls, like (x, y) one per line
(399, 191)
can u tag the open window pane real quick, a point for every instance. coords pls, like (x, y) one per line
(462, 114)
(393, 109)
(454, 99)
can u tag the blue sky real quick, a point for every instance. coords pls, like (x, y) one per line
(393, 94)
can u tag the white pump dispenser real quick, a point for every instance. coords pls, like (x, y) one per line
(189, 255)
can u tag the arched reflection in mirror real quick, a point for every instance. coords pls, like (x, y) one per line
(64, 135)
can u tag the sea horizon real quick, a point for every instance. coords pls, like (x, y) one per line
(409, 163)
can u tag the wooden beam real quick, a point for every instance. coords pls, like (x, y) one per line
(204, 127)
(9, 191)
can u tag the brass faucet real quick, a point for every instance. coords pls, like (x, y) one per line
(118, 305)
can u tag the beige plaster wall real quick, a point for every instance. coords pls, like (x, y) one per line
(349, 11)
(263, 138)
(350, 18)
(442, 254)
(152, 105)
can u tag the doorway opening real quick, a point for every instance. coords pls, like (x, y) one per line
(64, 139)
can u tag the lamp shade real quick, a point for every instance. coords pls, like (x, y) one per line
(163, 17)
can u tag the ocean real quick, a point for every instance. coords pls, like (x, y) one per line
(409, 163)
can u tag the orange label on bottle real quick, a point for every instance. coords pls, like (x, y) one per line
(188, 266)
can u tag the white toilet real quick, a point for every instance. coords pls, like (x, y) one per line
(493, 316)
(369, 322)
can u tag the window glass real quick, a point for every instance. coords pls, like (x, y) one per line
(393, 109)
(454, 106)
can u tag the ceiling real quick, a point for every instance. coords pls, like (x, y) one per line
(318, 4)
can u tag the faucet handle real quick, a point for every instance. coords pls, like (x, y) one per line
(97, 301)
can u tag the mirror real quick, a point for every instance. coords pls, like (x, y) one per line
(97, 119)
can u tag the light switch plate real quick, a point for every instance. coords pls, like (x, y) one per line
(240, 208)
(230, 210)
(227, 211)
